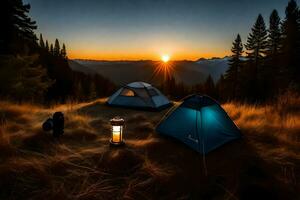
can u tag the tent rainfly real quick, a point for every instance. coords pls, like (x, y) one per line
(199, 122)
(139, 95)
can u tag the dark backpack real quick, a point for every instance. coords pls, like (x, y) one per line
(58, 124)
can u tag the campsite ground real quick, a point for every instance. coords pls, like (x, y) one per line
(264, 164)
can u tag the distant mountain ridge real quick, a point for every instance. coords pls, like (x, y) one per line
(122, 72)
(214, 66)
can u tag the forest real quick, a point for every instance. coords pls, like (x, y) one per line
(263, 68)
(35, 70)
(260, 69)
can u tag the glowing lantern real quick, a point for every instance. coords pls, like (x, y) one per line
(117, 124)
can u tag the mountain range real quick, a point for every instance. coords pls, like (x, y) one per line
(122, 72)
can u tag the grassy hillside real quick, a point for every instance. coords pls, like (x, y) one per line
(265, 164)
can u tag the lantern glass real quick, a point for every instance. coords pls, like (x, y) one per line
(117, 124)
(117, 134)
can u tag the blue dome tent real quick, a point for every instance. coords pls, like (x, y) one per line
(199, 122)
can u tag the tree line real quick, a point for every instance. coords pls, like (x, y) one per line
(266, 66)
(53, 50)
(32, 69)
(178, 90)
(271, 65)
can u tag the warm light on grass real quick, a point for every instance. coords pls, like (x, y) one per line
(165, 58)
(29, 156)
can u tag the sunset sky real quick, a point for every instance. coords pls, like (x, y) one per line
(147, 29)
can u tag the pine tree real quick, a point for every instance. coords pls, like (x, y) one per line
(256, 50)
(209, 87)
(47, 46)
(257, 41)
(16, 26)
(56, 50)
(220, 88)
(51, 49)
(269, 82)
(42, 44)
(93, 92)
(79, 91)
(168, 85)
(63, 52)
(291, 44)
(235, 62)
(274, 34)
(30, 81)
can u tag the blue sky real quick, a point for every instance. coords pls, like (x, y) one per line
(146, 29)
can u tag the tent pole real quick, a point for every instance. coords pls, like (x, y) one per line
(203, 147)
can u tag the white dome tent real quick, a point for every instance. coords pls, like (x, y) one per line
(139, 95)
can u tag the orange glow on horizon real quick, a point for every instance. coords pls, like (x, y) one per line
(115, 56)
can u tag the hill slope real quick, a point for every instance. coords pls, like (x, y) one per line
(82, 165)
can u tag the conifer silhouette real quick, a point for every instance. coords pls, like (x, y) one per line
(41, 40)
(274, 34)
(232, 73)
(16, 25)
(56, 50)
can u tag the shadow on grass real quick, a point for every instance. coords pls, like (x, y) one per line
(233, 171)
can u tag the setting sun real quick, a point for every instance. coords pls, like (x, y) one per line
(165, 58)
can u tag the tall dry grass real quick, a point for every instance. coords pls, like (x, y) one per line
(274, 131)
(276, 124)
(82, 165)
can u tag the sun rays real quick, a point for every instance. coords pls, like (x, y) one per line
(164, 69)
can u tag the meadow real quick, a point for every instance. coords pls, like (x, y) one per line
(264, 164)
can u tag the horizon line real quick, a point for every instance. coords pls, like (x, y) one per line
(139, 60)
